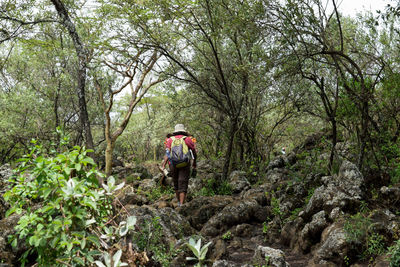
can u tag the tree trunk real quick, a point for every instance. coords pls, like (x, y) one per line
(334, 141)
(229, 149)
(109, 155)
(363, 135)
(82, 61)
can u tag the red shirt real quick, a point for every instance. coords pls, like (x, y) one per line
(188, 142)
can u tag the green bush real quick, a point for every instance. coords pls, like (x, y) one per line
(215, 187)
(356, 228)
(63, 209)
(394, 253)
(149, 238)
(359, 232)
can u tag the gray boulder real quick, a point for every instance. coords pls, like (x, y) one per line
(235, 213)
(174, 226)
(333, 247)
(201, 209)
(147, 184)
(274, 176)
(238, 182)
(5, 172)
(343, 191)
(275, 257)
(195, 185)
(312, 231)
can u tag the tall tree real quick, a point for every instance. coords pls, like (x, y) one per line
(83, 57)
(216, 49)
(317, 36)
(134, 74)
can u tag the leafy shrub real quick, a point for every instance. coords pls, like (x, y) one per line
(157, 192)
(149, 238)
(215, 187)
(65, 208)
(359, 232)
(394, 253)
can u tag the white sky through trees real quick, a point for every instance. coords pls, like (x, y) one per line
(352, 7)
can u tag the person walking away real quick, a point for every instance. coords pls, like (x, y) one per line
(180, 150)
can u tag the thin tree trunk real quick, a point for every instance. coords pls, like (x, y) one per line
(334, 141)
(364, 134)
(82, 61)
(229, 150)
(108, 156)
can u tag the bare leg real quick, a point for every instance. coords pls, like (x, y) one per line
(182, 197)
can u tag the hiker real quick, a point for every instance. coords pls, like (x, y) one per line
(283, 151)
(180, 151)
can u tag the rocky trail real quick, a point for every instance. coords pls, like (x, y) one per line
(272, 221)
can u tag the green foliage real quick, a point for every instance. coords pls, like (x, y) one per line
(357, 228)
(62, 206)
(198, 251)
(294, 213)
(227, 236)
(310, 193)
(265, 228)
(391, 153)
(394, 253)
(375, 245)
(149, 237)
(111, 260)
(276, 210)
(157, 192)
(359, 232)
(215, 187)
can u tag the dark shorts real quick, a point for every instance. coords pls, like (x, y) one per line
(180, 177)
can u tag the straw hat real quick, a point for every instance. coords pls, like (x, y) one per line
(179, 128)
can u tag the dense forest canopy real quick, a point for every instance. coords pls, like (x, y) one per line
(246, 77)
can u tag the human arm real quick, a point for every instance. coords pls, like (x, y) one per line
(167, 144)
(164, 162)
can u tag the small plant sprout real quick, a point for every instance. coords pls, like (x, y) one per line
(227, 236)
(114, 261)
(110, 187)
(198, 251)
(127, 225)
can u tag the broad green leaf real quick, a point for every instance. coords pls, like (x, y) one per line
(194, 250)
(117, 257)
(99, 264)
(47, 192)
(131, 221)
(69, 246)
(78, 166)
(204, 250)
(14, 243)
(11, 211)
(67, 171)
(83, 243)
(123, 230)
(88, 160)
